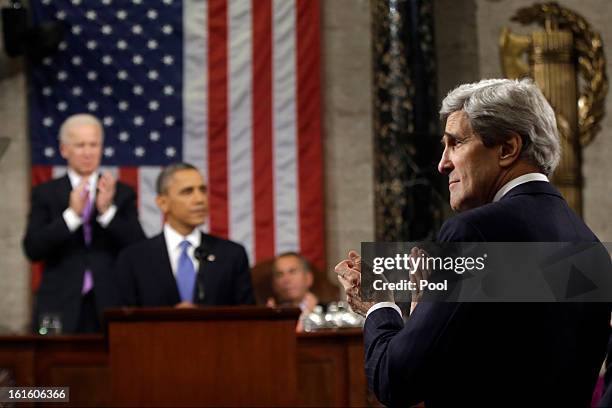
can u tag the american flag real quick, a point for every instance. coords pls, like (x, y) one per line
(230, 86)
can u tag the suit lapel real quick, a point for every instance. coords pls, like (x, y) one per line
(163, 268)
(64, 188)
(207, 269)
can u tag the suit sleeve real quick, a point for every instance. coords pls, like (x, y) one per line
(243, 288)
(400, 359)
(126, 281)
(45, 233)
(125, 227)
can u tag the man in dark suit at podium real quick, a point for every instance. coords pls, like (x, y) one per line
(182, 266)
(500, 144)
(77, 225)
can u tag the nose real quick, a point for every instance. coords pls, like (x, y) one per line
(445, 166)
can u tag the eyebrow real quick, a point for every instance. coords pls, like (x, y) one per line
(448, 135)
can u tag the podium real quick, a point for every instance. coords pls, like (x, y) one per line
(221, 356)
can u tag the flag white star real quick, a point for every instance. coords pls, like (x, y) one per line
(107, 30)
(139, 151)
(153, 105)
(92, 44)
(154, 136)
(92, 106)
(168, 60)
(168, 90)
(153, 75)
(107, 59)
(109, 151)
(169, 120)
(137, 1)
(170, 151)
(121, 14)
(77, 91)
(107, 90)
(167, 29)
(138, 90)
(62, 106)
(76, 60)
(124, 136)
(46, 2)
(62, 46)
(152, 14)
(47, 91)
(122, 75)
(108, 121)
(47, 61)
(76, 2)
(92, 75)
(137, 59)
(60, 15)
(137, 29)
(49, 151)
(123, 105)
(91, 15)
(168, 2)
(62, 75)
(152, 44)
(76, 30)
(107, 2)
(121, 44)
(48, 121)
(138, 120)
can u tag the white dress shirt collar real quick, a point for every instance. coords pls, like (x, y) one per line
(525, 178)
(75, 180)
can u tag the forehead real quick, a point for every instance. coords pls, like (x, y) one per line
(288, 262)
(458, 122)
(187, 177)
(84, 132)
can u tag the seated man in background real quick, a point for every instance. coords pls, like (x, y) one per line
(183, 266)
(77, 225)
(292, 279)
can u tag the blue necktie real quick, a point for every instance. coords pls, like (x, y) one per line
(186, 274)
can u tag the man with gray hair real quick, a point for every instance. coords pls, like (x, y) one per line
(77, 225)
(500, 145)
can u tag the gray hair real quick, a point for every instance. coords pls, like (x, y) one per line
(496, 108)
(164, 178)
(79, 119)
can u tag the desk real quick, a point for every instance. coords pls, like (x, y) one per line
(329, 364)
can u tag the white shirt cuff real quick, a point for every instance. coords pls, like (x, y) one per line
(108, 216)
(72, 219)
(384, 304)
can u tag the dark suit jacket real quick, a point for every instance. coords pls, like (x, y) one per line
(146, 277)
(494, 354)
(65, 255)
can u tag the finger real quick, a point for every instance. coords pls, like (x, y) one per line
(353, 277)
(341, 267)
(355, 258)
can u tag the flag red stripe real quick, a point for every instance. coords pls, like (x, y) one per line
(263, 184)
(310, 165)
(40, 174)
(129, 176)
(217, 117)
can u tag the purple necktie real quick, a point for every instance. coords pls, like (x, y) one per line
(87, 277)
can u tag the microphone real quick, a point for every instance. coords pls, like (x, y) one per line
(202, 255)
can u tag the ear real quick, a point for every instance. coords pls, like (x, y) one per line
(510, 150)
(162, 203)
(309, 279)
(64, 150)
